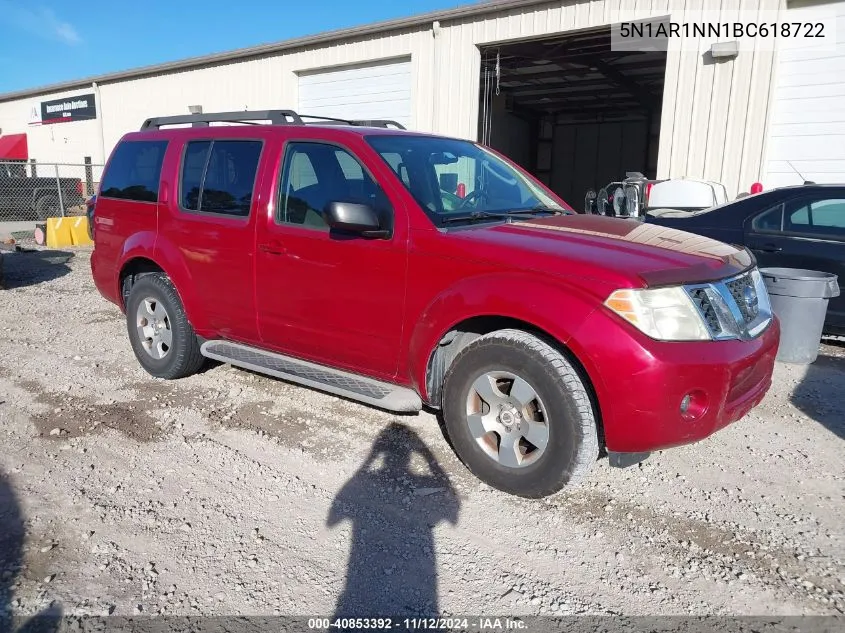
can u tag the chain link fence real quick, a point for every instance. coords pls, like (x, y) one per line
(33, 192)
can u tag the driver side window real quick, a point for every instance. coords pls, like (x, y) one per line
(315, 174)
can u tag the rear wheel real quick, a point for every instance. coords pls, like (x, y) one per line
(519, 415)
(48, 207)
(161, 336)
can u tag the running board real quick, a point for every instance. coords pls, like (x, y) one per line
(380, 394)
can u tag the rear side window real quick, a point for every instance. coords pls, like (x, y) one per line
(219, 176)
(193, 166)
(134, 171)
(771, 220)
(819, 216)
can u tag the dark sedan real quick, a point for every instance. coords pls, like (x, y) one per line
(791, 227)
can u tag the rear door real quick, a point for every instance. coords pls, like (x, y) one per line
(211, 220)
(806, 232)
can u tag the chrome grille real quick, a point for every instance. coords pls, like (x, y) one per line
(745, 295)
(705, 307)
(735, 308)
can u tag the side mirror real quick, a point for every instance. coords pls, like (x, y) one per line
(354, 218)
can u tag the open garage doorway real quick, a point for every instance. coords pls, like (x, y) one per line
(572, 111)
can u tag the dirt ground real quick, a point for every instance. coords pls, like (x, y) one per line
(232, 493)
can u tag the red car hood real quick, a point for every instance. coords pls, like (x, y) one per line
(655, 255)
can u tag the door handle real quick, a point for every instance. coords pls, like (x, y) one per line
(272, 248)
(769, 248)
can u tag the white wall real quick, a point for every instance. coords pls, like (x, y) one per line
(713, 118)
(807, 128)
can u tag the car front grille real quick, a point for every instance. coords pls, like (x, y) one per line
(734, 308)
(705, 307)
(745, 295)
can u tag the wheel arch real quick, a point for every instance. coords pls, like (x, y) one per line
(132, 270)
(464, 332)
(147, 252)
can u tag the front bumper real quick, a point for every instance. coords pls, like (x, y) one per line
(640, 383)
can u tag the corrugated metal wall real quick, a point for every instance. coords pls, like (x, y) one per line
(713, 119)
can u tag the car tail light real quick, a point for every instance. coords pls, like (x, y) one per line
(79, 187)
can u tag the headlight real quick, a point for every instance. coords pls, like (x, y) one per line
(665, 314)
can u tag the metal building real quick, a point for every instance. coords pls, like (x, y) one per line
(535, 79)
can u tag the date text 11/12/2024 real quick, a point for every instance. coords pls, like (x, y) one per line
(422, 624)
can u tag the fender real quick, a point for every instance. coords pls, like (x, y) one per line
(137, 245)
(167, 257)
(171, 259)
(548, 303)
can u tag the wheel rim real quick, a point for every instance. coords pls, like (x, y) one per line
(507, 419)
(153, 325)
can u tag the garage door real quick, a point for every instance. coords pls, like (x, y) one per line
(372, 91)
(807, 127)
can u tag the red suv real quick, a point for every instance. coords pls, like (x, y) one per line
(406, 270)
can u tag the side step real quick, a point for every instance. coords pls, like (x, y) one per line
(380, 394)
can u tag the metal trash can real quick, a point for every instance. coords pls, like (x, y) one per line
(799, 300)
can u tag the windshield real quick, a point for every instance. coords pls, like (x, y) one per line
(456, 180)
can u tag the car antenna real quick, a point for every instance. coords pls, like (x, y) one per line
(800, 175)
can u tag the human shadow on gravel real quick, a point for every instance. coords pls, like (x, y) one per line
(30, 267)
(394, 506)
(819, 394)
(12, 535)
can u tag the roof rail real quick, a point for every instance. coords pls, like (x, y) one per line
(327, 120)
(275, 117)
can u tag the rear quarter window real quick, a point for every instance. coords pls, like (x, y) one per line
(134, 171)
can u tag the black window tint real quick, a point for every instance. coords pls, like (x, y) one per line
(770, 220)
(134, 171)
(315, 174)
(830, 213)
(230, 177)
(193, 165)
(818, 217)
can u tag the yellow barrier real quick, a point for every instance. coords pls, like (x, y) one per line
(79, 231)
(59, 232)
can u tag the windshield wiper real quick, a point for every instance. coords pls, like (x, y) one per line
(475, 215)
(499, 215)
(538, 209)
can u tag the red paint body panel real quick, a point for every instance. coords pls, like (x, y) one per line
(379, 307)
(640, 382)
(333, 300)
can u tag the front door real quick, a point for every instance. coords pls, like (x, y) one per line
(807, 233)
(328, 297)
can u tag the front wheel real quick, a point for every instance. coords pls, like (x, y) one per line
(161, 336)
(519, 415)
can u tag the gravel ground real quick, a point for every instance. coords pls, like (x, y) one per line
(232, 493)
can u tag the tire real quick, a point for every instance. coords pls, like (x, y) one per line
(172, 350)
(562, 405)
(47, 207)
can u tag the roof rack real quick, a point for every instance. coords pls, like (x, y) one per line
(275, 117)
